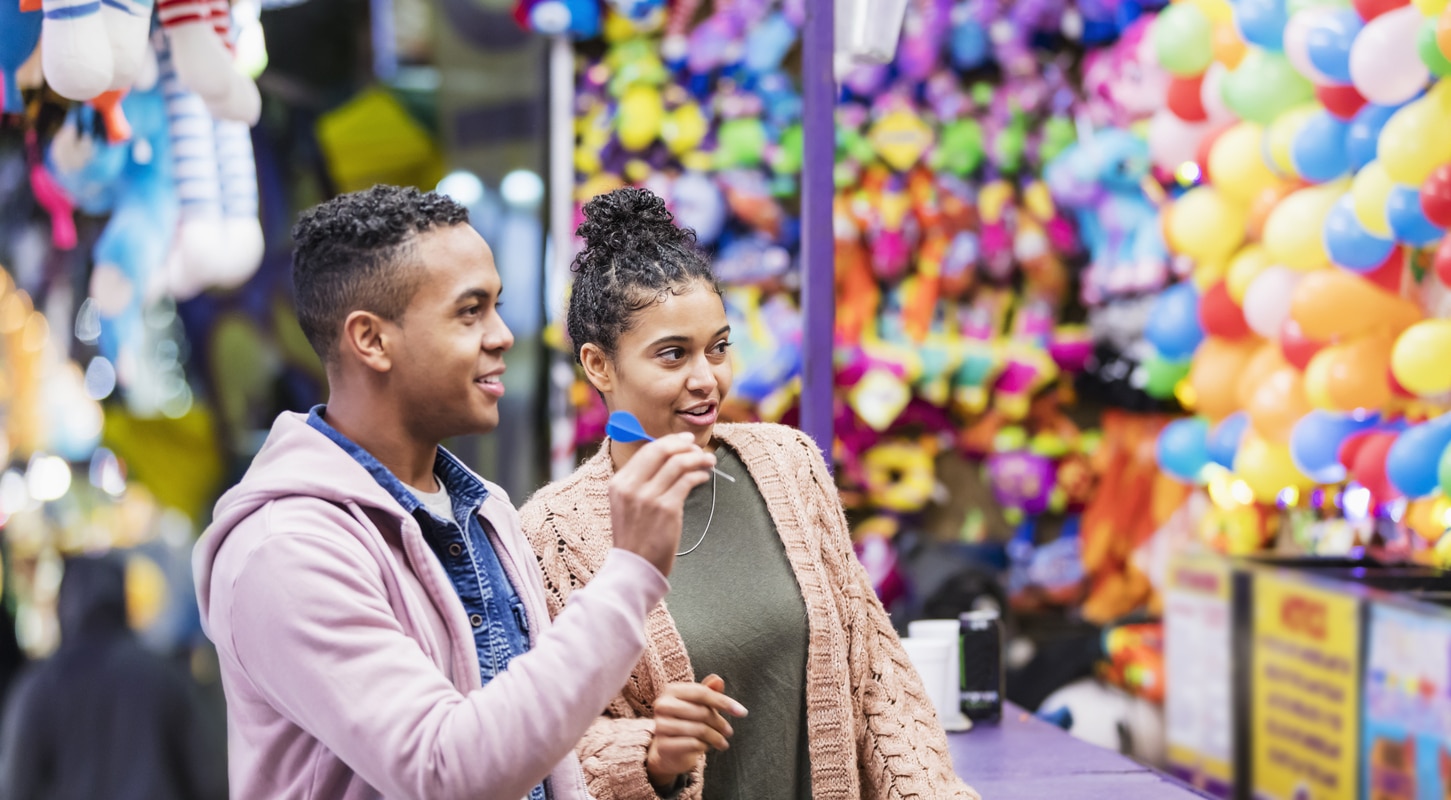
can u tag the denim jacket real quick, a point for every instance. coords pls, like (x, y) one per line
(500, 624)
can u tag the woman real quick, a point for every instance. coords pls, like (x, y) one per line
(767, 599)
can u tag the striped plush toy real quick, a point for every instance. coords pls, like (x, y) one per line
(201, 39)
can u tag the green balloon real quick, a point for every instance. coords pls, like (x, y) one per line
(1430, 52)
(1444, 473)
(789, 153)
(960, 150)
(740, 143)
(1264, 85)
(1058, 135)
(1163, 375)
(1184, 40)
(1293, 7)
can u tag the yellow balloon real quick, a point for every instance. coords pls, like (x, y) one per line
(1281, 136)
(1369, 191)
(1205, 225)
(1217, 10)
(1248, 263)
(1294, 232)
(1317, 380)
(1430, 8)
(1267, 468)
(640, 116)
(1421, 358)
(1236, 166)
(1414, 141)
(684, 129)
(1208, 273)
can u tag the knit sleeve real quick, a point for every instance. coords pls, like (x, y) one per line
(612, 755)
(901, 747)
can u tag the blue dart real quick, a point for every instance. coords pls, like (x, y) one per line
(624, 428)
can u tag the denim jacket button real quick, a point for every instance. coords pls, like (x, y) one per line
(476, 620)
(455, 550)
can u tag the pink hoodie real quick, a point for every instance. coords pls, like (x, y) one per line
(348, 661)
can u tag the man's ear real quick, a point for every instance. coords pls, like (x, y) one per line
(599, 370)
(368, 338)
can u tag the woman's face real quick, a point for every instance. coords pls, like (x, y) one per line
(672, 368)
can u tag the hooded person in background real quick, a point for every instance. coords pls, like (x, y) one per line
(104, 716)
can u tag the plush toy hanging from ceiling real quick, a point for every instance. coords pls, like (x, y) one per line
(19, 34)
(93, 47)
(201, 39)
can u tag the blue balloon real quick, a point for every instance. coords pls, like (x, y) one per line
(968, 44)
(1319, 149)
(19, 33)
(1415, 457)
(1173, 328)
(1349, 244)
(1316, 439)
(1361, 141)
(1408, 221)
(1224, 440)
(1262, 22)
(1328, 42)
(1183, 448)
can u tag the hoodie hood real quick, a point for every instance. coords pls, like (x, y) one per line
(297, 460)
(92, 598)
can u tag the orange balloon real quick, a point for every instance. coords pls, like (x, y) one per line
(1443, 32)
(1266, 361)
(1229, 48)
(1260, 208)
(1213, 374)
(1277, 404)
(1332, 302)
(1352, 376)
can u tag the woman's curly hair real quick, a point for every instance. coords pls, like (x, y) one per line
(634, 255)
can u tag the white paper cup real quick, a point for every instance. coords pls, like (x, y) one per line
(948, 631)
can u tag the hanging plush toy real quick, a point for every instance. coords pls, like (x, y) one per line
(93, 47)
(199, 34)
(19, 34)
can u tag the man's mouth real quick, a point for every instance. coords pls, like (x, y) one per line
(491, 384)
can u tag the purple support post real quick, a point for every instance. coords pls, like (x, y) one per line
(818, 258)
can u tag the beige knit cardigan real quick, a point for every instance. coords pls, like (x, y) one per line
(871, 730)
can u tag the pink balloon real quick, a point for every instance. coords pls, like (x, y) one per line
(1385, 66)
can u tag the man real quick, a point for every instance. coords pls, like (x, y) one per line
(104, 716)
(380, 618)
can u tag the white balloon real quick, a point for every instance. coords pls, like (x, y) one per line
(1267, 300)
(1211, 94)
(1297, 44)
(1385, 66)
(1172, 141)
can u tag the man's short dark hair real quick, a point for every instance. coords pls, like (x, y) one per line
(353, 253)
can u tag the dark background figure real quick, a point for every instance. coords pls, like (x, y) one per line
(105, 716)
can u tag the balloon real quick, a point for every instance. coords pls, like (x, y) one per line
(1185, 99)
(1347, 241)
(1370, 9)
(1442, 262)
(1443, 474)
(1235, 164)
(1293, 233)
(1364, 454)
(1443, 34)
(1408, 222)
(1369, 192)
(1296, 347)
(1225, 438)
(1183, 448)
(1267, 468)
(1218, 11)
(1247, 264)
(1229, 48)
(1267, 302)
(1280, 138)
(1263, 206)
(1172, 141)
(1183, 40)
(1318, 152)
(1264, 363)
(1414, 459)
(1261, 22)
(20, 31)
(1173, 327)
(1350, 376)
(1162, 376)
(1430, 51)
(1387, 276)
(1315, 443)
(1297, 44)
(1421, 359)
(1205, 226)
(1413, 142)
(1333, 303)
(1364, 138)
(1263, 85)
(641, 114)
(1330, 40)
(1436, 196)
(1429, 8)
(1219, 315)
(1383, 65)
(1213, 375)
(1342, 102)
(1277, 403)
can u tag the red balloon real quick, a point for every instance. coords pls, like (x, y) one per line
(1296, 346)
(1436, 196)
(1397, 389)
(1341, 101)
(1442, 261)
(1370, 9)
(1388, 275)
(1364, 455)
(1185, 98)
(1220, 316)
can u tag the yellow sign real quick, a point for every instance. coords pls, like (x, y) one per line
(1198, 641)
(1305, 701)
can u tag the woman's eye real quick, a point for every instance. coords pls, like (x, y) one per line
(722, 347)
(673, 354)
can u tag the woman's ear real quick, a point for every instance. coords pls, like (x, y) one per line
(599, 370)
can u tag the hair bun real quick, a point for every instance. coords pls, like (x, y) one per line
(629, 219)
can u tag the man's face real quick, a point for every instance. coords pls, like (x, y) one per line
(449, 366)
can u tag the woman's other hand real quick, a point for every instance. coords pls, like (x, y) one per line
(689, 720)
